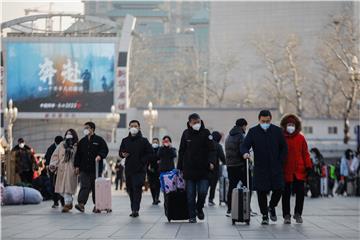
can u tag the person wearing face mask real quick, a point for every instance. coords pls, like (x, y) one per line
(62, 162)
(91, 150)
(270, 150)
(296, 168)
(55, 196)
(137, 152)
(197, 156)
(167, 155)
(24, 161)
(235, 163)
(153, 173)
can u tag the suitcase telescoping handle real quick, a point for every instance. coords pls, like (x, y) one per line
(97, 165)
(247, 174)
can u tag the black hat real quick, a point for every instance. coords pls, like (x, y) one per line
(216, 136)
(241, 122)
(194, 116)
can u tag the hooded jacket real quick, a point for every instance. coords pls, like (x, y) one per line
(196, 152)
(232, 147)
(140, 152)
(298, 159)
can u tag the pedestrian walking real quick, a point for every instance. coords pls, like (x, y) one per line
(137, 151)
(119, 169)
(196, 158)
(166, 155)
(214, 174)
(55, 196)
(296, 167)
(91, 150)
(62, 162)
(235, 163)
(270, 149)
(153, 173)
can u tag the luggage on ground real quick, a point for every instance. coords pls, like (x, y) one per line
(175, 205)
(240, 201)
(102, 193)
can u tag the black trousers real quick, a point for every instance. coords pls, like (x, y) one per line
(26, 177)
(55, 196)
(298, 188)
(236, 174)
(213, 180)
(119, 178)
(154, 182)
(87, 185)
(134, 184)
(262, 200)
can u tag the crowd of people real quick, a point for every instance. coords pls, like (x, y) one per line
(280, 163)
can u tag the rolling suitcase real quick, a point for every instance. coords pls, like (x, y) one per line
(175, 205)
(240, 201)
(102, 193)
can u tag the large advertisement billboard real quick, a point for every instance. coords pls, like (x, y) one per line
(60, 76)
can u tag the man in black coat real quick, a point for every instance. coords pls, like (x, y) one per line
(235, 163)
(196, 159)
(55, 196)
(270, 149)
(214, 174)
(91, 150)
(137, 150)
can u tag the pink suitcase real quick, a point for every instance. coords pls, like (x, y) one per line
(102, 193)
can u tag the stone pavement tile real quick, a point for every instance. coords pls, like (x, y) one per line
(193, 230)
(257, 234)
(60, 234)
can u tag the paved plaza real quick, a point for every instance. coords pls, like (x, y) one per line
(329, 218)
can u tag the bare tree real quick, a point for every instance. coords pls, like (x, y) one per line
(340, 50)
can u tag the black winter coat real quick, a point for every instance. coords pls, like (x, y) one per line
(232, 147)
(270, 150)
(49, 153)
(140, 152)
(220, 157)
(87, 151)
(167, 157)
(196, 152)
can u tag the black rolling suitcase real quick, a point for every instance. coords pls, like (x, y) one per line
(240, 201)
(175, 205)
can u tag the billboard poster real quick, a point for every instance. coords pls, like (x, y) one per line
(60, 76)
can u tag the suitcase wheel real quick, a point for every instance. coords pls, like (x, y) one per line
(233, 222)
(247, 222)
(108, 210)
(169, 220)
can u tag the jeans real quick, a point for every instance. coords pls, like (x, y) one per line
(299, 190)
(193, 188)
(324, 186)
(262, 199)
(134, 184)
(236, 174)
(87, 182)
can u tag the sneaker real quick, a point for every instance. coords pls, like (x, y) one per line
(131, 214)
(253, 214)
(211, 203)
(80, 207)
(192, 220)
(55, 205)
(272, 213)
(200, 214)
(66, 208)
(265, 220)
(228, 213)
(298, 218)
(287, 219)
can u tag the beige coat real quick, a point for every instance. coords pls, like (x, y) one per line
(66, 180)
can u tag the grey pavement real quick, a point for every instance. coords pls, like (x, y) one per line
(324, 218)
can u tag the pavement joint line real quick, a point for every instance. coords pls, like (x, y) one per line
(154, 224)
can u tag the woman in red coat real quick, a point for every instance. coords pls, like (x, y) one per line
(296, 166)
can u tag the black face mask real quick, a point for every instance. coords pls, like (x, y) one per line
(69, 142)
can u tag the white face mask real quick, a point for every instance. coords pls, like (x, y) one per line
(155, 145)
(86, 132)
(22, 145)
(68, 136)
(290, 129)
(133, 131)
(196, 126)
